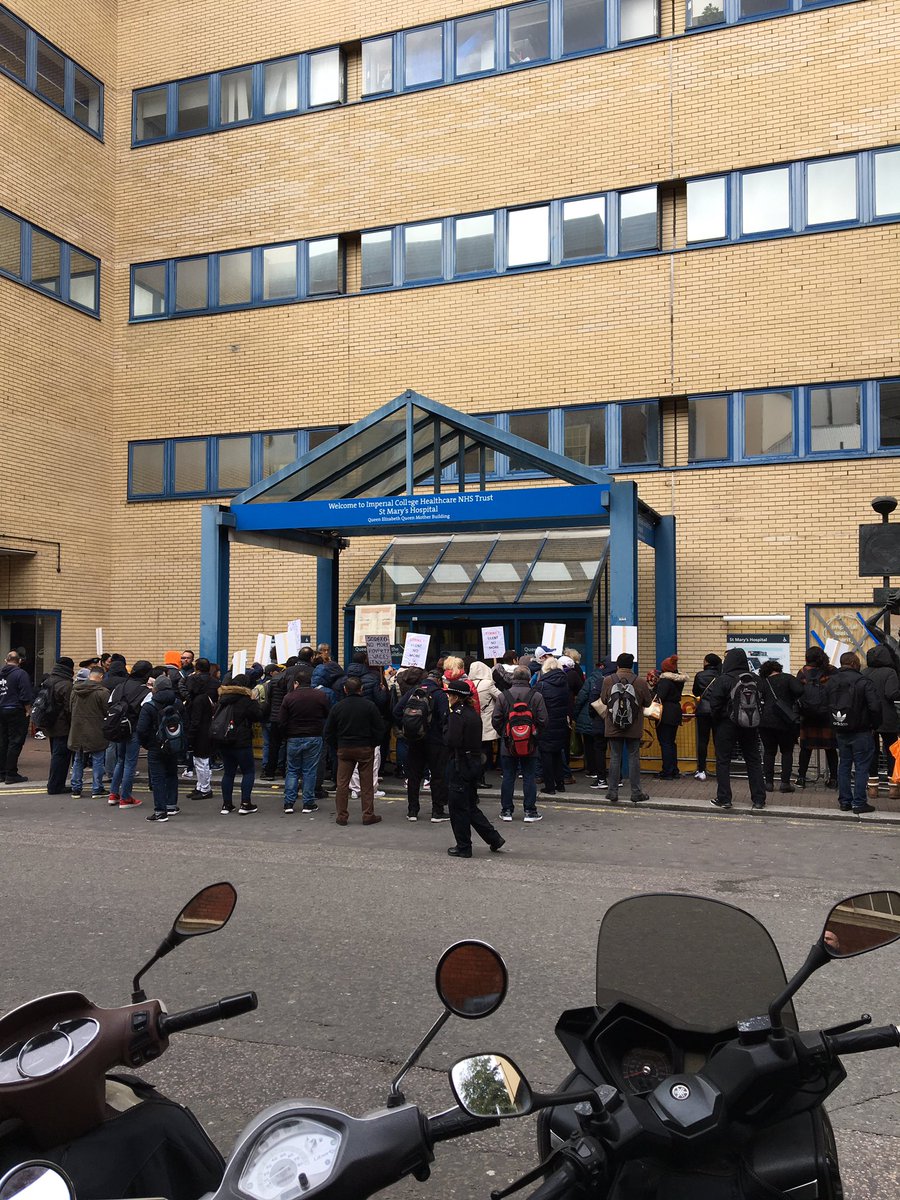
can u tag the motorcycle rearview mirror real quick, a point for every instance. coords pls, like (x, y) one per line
(207, 912)
(36, 1181)
(862, 923)
(491, 1085)
(471, 980)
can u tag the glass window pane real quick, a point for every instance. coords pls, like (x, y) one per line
(831, 191)
(584, 432)
(191, 291)
(638, 222)
(534, 427)
(768, 423)
(235, 272)
(424, 56)
(708, 428)
(190, 466)
(325, 77)
(756, 8)
(765, 200)
(584, 25)
(377, 264)
(502, 575)
(529, 236)
(475, 45)
(45, 262)
(280, 86)
(150, 118)
(378, 66)
(887, 183)
(324, 267)
(889, 397)
(234, 464)
(637, 19)
(280, 272)
(236, 97)
(147, 469)
(12, 45)
(584, 227)
(51, 74)
(83, 280)
(640, 433)
(567, 567)
(706, 218)
(87, 100)
(279, 449)
(529, 32)
(193, 105)
(705, 12)
(472, 464)
(148, 293)
(10, 244)
(422, 251)
(474, 241)
(834, 418)
(318, 436)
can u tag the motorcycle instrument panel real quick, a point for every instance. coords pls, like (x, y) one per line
(292, 1157)
(637, 1056)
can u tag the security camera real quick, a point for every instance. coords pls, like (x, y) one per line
(884, 505)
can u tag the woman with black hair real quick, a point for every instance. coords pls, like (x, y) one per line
(816, 732)
(780, 721)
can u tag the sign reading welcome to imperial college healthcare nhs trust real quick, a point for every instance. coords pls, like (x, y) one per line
(536, 507)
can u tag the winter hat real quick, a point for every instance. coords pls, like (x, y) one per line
(68, 663)
(82, 674)
(669, 664)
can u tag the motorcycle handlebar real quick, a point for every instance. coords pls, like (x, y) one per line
(456, 1122)
(228, 1006)
(557, 1185)
(859, 1040)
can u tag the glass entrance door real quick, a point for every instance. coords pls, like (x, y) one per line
(35, 633)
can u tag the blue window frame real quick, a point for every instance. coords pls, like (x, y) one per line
(528, 33)
(475, 45)
(423, 56)
(888, 419)
(45, 263)
(709, 429)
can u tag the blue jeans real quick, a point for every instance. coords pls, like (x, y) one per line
(126, 763)
(854, 752)
(163, 779)
(510, 765)
(98, 762)
(302, 759)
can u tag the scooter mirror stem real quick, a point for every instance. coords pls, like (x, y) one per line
(169, 942)
(818, 956)
(395, 1096)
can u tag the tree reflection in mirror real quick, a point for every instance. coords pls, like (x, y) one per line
(490, 1085)
(36, 1181)
(861, 923)
(208, 911)
(471, 979)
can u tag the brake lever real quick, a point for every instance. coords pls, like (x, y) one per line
(865, 1019)
(530, 1177)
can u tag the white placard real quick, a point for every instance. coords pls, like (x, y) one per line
(293, 637)
(554, 637)
(623, 639)
(834, 649)
(239, 663)
(415, 649)
(493, 641)
(378, 649)
(262, 649)
(281, 648)
(98, 633)
(373, 618)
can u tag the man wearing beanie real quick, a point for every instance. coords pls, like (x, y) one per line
(59, 685)
(625, 696)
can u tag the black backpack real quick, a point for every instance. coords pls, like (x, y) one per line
(814, 701)
(622, 705)
(170, 731)
(222, 727)
(118, 724)
(847, 707)
(45, 708)
(745, 708)
(418, 712)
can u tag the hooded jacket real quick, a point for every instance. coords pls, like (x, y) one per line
(18, 692)
(669, 688)
(734, 665)
(373, 687)
(201, 694)
(883, 674)
(488, 695)
(868, 703)
(586, 719)
(59, 682)
(329, 675)
(779, 686)
(148, 722)
(87, 708)
(245, 712)
(440, 710)
(116, 674)
(557, 696)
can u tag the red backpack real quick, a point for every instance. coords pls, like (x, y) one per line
(520, 730)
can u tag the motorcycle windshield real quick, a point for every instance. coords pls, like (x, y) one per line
(698, 964)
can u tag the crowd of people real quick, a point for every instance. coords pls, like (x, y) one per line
(332, 729)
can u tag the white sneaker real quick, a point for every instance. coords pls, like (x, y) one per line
(426, 783)
(355, 795)
(40, 737)
(187, 774)
(701, 775)
(378, 795)
(506, 816)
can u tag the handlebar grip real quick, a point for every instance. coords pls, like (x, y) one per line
(557, 1185)
(859, 1040)
(456, 1122)
(229, 1006)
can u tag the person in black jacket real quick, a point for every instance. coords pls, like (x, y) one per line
(15, 705)
(728, 733)
(237, 754)
(354, 727)
(779, 726)
(428, 753)
(59, 684)
(279, 686)
(855, 713)
(712, 669)
(881, 669)
(669, 688)
(554, 737)
(202, 693)
(133, 691)
(463, 740)
(162, 763)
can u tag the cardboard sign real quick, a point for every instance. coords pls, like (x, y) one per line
(293, 637)
(281, 648)
(98, 633)
(493, 641)
(373, 618)
(261, 653)
(415, 650)
(238, 663)
(378, 649)
(554, 637)
(623, 639)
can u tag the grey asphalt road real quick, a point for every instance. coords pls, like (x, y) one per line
(339, 931)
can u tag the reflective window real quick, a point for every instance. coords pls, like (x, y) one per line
(86, 100)
(834, 420)
(191, 287)
(190, 465)
(424, 56)
(422, 257)
(51, 74)
(705, 12)
(234, 464)
(706, 209)
(566, 569)
(889, 415)
(12, 45)
(503, 574)
(236, 97)
(768, 423)
(887, 183)
(640, 433)
(831, 191)
(324, 266)
(377, 259)
(279, 450)
(150, 114)
(474, 244)
(281, 91)
(147, 463)
(148, 295)
(316, 437)
(475, 45)
(378, 66)
(45, 262)
(529, 32)
(638, 222)
(193, 105)
(529, 236)
(584, 434)
(325, 78)
(10, 244)
(637, 19)
(584, 25)
(235, 271)
(280, 272)
(83, 273)
(708, 428)
(765, 200)
(533, 427)
(758, 8)
(584, 227)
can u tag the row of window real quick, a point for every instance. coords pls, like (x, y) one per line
(51, 75)
(837, 420)
(445, 52)
(39, 260)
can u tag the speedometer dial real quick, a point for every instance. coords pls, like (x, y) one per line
(290, 1159)
(643, 1068)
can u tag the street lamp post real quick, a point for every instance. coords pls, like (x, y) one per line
(884, 506)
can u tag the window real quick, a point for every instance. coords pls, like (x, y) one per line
(424, 56)
(640, 433)
(235, 275)
(191, 290)
(474, 244)
(279, 450)
(190, 465)
(706, 209)
(529, 32)
(529, 236)
(533, 427)
(708, 428)
(834, 418)
(583, 25)
(280, 272)
(147, 468)
(51, 74)
(889, 415)
(83, 272)
(325, 84)
(637, 19)
(86, 100)
(280, 86)
(150, 114)
(768, 423)
(765, 200)
(831, 191)
(10, 244)
(638, 222)
(584, 227)
(12, 45)
(584, 435)
(148, 291)
(324, 267)
(377, 259)
(193, 105)
(759, 8)
(887, 183)
(317, 437)
(378, 66)
(233, 474)
(475, 45)
(236, 97)
(45, 258)
(705, 12)
(422, 252)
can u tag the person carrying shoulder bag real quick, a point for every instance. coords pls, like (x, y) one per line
(779, 725)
